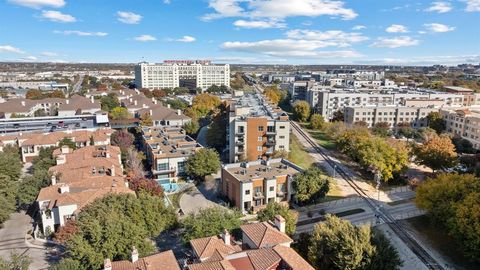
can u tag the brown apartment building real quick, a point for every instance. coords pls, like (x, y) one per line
(250, 186)
(256, 129)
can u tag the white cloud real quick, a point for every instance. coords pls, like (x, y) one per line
(57, 16)
(259, 24)
(335, 37)
(10, 49)
(438, 27)
(186, 39)
(440, 7)
(129, 17)
(49, 54)
(278, 9)
(359, 27)
(288, 48)
(472, 5)
(396, 42)
(397, 28)
(81, 33)
(29, 58)
(145, 38)
(39, 3)
(167, 2)
(426, 60)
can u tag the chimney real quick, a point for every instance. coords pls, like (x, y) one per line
(107, 264)
(107, 155)
(168, 106)
(61, 159)
(131, 100)
(135, 102)
(65, 149)
(112, 170)
(280, 223)
(155, 102)
(92, 99)
(67, 101)
(226, 237)
(64, 189)
(179, 112)
(134, 254)
(54, 179)
(151, 112)
(23, 103)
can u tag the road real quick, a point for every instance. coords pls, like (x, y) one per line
(12, 237)
(78, 84)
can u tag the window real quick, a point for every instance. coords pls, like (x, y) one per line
(259, 148)
(247, 192)
(162, 166)
(282, 127)
(272, 189)
(258, 190)
(181, 166)
(260, 138)
(240, 129)
(282, 137)
(260, 128)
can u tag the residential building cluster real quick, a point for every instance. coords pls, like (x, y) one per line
(191, 74)
(167, 149)
(257, 129)
(463, 123)
(78, 178)
(30, 144)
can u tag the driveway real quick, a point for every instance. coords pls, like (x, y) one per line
(12, 237)
(203, 196)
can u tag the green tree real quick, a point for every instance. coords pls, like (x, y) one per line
(216, 133)
(209, 222)
(17, 261)
(301, 110)
(109, 102)
(68, 264)
(338, 116)
(385, 255)
(437, 153)
(452, 201)
(204, 162)
(10, 166)
(119, 113)
(317, 121)
(176, 104)
(192, 127)
(337, 244)
(67, 142)
(310, 185)
(381, 129)
(436, 122)
(273, 209)
(204, 104)
(110, 226)
(273, 94)
(8, 193)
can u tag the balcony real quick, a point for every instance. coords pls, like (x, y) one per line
(271, 133)
(258, 196)
(239, 143)
(270, 142)
(162, 171)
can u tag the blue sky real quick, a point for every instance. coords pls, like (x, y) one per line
(242, 31)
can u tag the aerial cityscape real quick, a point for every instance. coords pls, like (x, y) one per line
(240, 135)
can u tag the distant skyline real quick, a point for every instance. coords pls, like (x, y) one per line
(393, 32)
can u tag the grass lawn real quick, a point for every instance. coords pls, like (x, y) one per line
(439, 239)
(298, 154)
(320, 137)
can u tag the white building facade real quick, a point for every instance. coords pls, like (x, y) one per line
(170, 74)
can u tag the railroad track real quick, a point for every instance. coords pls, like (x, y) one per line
(397, 228)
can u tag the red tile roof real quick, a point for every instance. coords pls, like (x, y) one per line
(264, 235)
(160, 261)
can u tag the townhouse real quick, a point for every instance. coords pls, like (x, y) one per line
(80, 177)
(160, 261)
(250, 186)
(31, 143)
(264, 246)
(167, 149)
(256, 129)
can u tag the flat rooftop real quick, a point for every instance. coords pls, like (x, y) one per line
(245, 172)
(170, 142)
(256, 105)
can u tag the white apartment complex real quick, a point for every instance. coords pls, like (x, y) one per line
(393, 115)
(328, 101)
(464, 123)
(171, 74)
(256, 129)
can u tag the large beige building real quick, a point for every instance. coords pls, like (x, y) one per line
(171, 74)
(256, 129)
(463, 123)
(394, 115)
